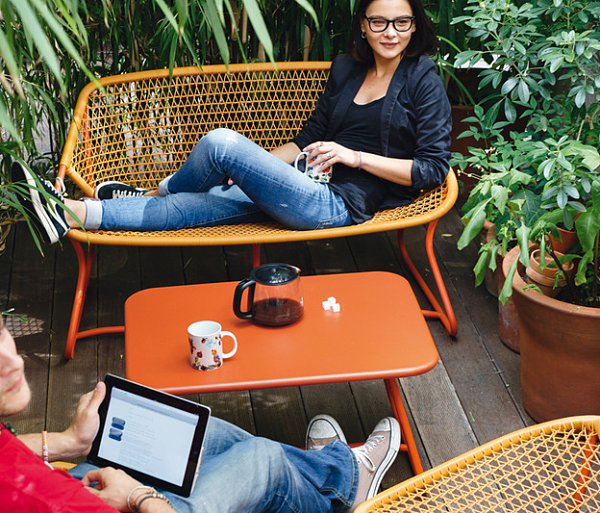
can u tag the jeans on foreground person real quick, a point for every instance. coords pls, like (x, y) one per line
(239, 472)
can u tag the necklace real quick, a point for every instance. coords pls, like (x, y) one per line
(8, 428)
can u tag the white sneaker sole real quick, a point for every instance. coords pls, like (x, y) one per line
(40, 211)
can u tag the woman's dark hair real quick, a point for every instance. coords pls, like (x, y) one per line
(422, 41)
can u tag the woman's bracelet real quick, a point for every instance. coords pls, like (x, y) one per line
(152, 495)
(45, 446)
(134, 508)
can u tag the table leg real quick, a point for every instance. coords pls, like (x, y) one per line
(408, 442)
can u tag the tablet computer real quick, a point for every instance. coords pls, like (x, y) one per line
(155, 437)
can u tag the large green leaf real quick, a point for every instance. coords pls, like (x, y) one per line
(522, 233)
(506, 291)
(474, 226)
(588, 226)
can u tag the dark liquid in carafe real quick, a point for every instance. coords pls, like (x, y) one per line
(277, 311)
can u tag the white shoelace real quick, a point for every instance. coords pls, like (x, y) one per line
(363, 453)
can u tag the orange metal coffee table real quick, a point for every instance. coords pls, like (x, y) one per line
(379, 333)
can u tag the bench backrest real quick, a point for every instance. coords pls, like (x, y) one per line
(140, 127)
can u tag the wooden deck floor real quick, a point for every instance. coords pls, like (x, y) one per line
(471, 397)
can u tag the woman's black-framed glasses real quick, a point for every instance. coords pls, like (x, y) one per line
(401, 24)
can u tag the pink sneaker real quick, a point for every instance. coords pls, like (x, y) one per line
(322, 430)
(375, 457)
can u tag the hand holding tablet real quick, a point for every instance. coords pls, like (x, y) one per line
(155, 437)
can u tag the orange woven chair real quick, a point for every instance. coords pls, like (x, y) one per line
(550, 467)
(140, 127)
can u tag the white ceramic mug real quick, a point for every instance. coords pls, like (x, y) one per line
(318, 173)
(206, 345)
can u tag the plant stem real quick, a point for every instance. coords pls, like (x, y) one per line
(568, 276)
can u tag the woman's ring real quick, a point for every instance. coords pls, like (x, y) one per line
(330, 155)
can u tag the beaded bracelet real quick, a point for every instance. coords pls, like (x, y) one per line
(134, 508)
(153, 495)
(45, 446)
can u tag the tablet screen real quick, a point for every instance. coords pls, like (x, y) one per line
(155, 437)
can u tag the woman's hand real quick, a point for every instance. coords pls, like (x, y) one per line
(86, 421)
(330, 153)
(112, 486)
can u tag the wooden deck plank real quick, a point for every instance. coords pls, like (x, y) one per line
(374, 252)
(470, 396)
(490, 410)
(484, 318)
(438, 415)
(69, 380)
(31, 285)
(6, 260)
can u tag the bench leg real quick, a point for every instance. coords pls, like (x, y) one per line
(83, 280)
(408, 442)
(255, 255)
(445, 314)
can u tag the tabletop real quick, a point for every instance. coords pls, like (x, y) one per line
(378, 333)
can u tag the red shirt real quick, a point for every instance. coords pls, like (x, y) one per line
(27, 484)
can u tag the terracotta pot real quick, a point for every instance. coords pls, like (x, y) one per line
(546, 278)
(560, 354)
(508, 320)
(567, 240)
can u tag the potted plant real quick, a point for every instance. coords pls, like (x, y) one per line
(545, 74)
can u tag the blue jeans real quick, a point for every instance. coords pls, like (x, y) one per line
(244, 473)
(266, 188)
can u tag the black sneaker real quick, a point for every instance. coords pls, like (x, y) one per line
(114, 190)
(49, 215)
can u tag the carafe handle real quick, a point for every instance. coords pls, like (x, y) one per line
(249, 284)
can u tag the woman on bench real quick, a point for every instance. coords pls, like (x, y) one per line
(382, 126)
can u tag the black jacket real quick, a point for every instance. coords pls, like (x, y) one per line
(415, 120)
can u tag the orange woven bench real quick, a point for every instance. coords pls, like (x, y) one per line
(549, 467)
(140, 127)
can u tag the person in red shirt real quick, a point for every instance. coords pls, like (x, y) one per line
(30, 484)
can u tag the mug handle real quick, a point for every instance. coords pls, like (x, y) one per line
(305, 153)
(235, 344)
(237, 298)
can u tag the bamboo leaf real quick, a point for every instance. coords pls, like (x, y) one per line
(6, 123)
(32, 27)
(309, 9)
(62, 36)
(215, 24)
(258, 23)
(9, 58)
